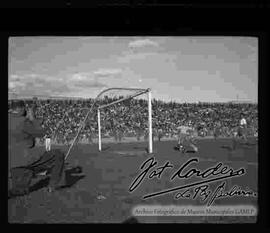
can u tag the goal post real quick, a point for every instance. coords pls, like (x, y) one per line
(150, 122)
(119, 95)
(135, 93)
(99, 130)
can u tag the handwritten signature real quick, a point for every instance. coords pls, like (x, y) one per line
(218, 172)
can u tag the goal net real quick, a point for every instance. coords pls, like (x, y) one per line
(122, 113)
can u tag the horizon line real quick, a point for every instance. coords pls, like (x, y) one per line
(153, 99)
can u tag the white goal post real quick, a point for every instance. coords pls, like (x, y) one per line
(138, 93)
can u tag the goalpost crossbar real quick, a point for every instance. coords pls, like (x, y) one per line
(123, 99)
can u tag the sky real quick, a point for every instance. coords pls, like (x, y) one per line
(182, 69)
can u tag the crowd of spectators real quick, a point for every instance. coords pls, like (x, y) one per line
(62, 118)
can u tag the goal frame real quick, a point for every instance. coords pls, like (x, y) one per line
(140, 92)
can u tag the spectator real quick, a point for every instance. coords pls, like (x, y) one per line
(62, 118)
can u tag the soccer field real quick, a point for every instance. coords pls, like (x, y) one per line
(110, 173)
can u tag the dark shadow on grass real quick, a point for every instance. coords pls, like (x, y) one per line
(72, 176)
(40, 184)
(71, 180)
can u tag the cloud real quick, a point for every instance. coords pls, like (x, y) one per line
(85, 80)
(81, 76)
(15, 83)
(38, 84)
(11, 85)
(35, 84)
(90, 84)
(142, 43)
(107, 72)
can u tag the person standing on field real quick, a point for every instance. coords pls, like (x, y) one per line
(47, 144)
(242, 130)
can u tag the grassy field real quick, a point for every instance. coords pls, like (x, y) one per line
(111, 172)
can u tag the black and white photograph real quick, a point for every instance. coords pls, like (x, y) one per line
(133, 129)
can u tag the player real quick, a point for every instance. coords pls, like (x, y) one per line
(256, 134)
(217, 131)
(242, 130)
(186, 140)
(24, 162)
(160, 134)
(47, 144)
(146, 135)
(89, 137)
